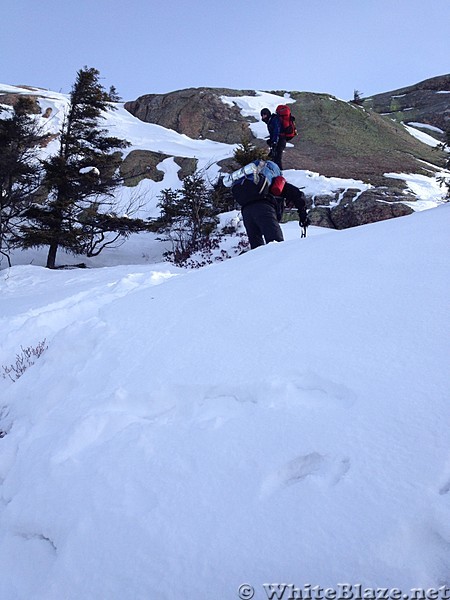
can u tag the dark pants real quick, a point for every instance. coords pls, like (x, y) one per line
(277, 154)
(260, 221)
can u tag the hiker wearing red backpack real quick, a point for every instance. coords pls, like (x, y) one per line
(281, 127)
(261, 192)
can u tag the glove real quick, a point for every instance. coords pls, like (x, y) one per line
(273, 151)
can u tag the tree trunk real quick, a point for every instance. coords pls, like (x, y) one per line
(7, 257)
(51, 257)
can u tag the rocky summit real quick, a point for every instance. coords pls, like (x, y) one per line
(427, 103)
(362, 140)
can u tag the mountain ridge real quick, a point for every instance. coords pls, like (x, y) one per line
(337, 139)
(333, 140)
(424, 101)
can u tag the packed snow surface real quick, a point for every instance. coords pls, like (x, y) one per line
(281, 417)
(278, 418)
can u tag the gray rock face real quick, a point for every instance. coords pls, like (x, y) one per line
(335, 139)
(10, 100)
(196, 112)
(356, 208)
(426, 102)
(143, 164)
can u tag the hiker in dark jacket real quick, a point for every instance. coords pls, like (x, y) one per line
(261, 218)
(261, 192)
(276, 142)
(259, 212)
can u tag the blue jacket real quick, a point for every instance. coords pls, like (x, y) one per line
(274, 128)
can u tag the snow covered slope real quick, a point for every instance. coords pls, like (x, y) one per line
(282, 417)
(152, 137)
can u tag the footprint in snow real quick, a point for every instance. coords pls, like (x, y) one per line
(445, 488)
(312, 465)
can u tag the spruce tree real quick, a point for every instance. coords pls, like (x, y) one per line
(20, 169)
(246, 152)
(445, 145)
(188, 217)
(80, 209)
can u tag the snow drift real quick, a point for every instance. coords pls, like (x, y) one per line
(279, 417)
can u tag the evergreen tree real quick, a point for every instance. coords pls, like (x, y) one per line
(188, 217)
(446, 146)
(20, 169)
(80, 210)
(247, 152)
(222, 197)
(357, 97)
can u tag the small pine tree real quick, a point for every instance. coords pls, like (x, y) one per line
(221, 197)
(357, 97)
(188, 217)
(81, 179)
(446, 146)
(247, 152)
(20, 170)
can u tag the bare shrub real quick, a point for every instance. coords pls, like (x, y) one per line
(24, 359)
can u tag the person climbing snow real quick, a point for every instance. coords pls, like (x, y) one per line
(261, 191)
(281, 128)
(276, 142)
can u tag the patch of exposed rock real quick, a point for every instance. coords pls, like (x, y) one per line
(427, 102)
(188, 166)
(141, 164)
(11, 99)
(144, 164)
(197, 112)
(350, 208)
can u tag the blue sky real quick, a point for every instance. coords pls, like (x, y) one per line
(144, 46)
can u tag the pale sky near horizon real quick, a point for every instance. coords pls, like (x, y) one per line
(148, 46)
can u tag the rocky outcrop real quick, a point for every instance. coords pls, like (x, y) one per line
(427, 102)
(336, 138)
(141, 164)
(339, 139)
(188, 166)
(197, 112)
(144, 164)
(350, 208)
(10, 100)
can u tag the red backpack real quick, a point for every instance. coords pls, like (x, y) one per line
(277, 185)
(288, 129)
